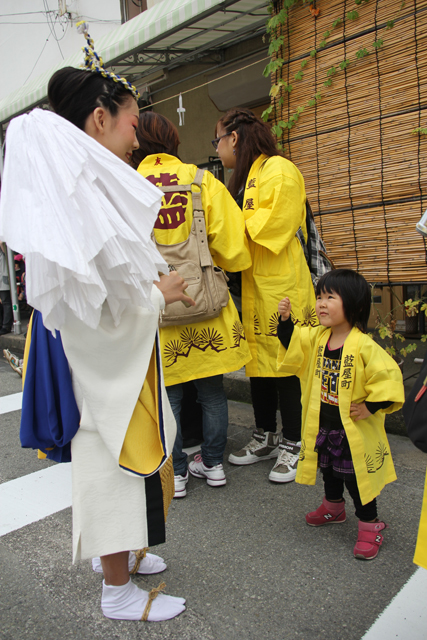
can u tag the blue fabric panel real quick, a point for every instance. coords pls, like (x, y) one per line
(50, 416)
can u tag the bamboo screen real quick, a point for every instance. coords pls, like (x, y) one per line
(365, 171)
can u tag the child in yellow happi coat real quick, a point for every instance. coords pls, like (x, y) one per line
(348, 385)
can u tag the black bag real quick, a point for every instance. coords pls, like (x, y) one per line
(314, 249)
(415, 410)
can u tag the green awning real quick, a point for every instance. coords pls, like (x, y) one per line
(171, 32)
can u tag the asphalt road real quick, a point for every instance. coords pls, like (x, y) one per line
(242, 555)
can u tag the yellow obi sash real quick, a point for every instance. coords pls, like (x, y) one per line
(40, 454)
(143, 449)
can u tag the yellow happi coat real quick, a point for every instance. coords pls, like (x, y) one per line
(420, 556)
(216, 346)
(274, 209)
(367, 373)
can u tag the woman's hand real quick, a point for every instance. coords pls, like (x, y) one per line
(285, 308)
(173, 289)
(359, 411)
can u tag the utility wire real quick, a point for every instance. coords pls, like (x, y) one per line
(149, 106)
(25, 13)
(52, 26)
(35, 64)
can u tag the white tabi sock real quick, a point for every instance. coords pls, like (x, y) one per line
(149, 565)
(128, 603)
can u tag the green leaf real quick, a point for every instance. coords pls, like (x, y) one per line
(328, 83)
(277, 20)
(318, 95)
(266, 113)
(390, 24)
(336, 23)
(311, 103)
(304, 63)
(300, 109)
(331, 72)
(361, 53)
(299, 75)
(276, 130)
(352, 15)
(281, 102)
(422, 132)
(273, 66)
(322, 44)
(275, 45)
(344, 64)
(313, 53)
(326, 35)
(378, 43)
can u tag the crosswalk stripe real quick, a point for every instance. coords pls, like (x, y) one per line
(405, 616)
(11, 403)
(34, 497)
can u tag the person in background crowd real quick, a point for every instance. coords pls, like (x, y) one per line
(5, 298)
(272, 193)
(201, 351)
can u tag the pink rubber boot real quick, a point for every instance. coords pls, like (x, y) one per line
(369, 540)
(327, 513)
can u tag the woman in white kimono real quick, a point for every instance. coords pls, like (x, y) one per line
(75, 211)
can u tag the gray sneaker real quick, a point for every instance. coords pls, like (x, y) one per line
(263, 446)
(285, 469)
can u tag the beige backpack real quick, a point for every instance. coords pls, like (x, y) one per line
(207, 284)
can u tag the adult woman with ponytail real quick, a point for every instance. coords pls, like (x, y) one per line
(83, 219)
(273, 195)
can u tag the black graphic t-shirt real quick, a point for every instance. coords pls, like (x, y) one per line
(329, 410)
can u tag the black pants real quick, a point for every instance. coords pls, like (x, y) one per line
(270, 393)
(6, 300)
(334, 490)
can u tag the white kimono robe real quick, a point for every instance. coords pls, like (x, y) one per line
(109, 366)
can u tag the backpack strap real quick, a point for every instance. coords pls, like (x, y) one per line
(198, 214)
(199, 221)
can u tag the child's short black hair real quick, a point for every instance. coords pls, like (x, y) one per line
(354, 291)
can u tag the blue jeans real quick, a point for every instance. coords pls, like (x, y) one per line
(211, 395)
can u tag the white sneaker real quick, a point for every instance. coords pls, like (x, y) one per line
(285, 469)
(264, 445)
(215, 476)
(180, 485)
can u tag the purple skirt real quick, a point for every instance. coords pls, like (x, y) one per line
(334, 451)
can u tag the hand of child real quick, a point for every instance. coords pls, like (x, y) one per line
(359, 411)
(285, 308)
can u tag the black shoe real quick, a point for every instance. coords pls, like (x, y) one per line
(4, 330)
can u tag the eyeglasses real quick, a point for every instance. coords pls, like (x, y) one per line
(215, 142)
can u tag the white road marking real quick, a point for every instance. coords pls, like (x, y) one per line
(34, 497)
(11, 403)
(405, 617)
(190, 450)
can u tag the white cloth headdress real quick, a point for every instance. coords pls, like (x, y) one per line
(81, 217)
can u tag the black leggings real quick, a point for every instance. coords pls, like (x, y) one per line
(267, 395)
(334, 490)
